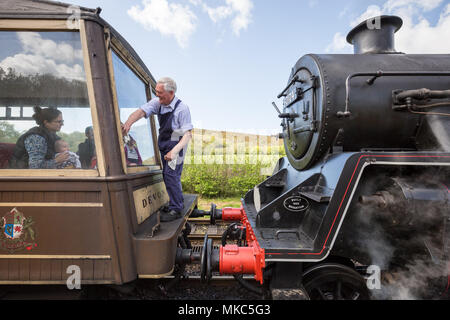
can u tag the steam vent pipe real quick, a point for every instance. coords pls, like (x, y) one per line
(375, 35)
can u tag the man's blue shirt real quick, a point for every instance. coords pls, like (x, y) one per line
(181, 122)
(181, 118)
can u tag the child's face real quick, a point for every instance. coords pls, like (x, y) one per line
(62, 146)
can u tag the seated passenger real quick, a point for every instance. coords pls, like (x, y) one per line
(73, 162)
(93, 164)
(6, 151)
(132, 152)
(35, 149)
(86, 149)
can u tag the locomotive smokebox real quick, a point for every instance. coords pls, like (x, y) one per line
(375, 35)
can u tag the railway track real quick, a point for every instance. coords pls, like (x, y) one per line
(202, 226)
(187, 288)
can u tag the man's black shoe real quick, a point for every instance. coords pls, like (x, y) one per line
(165, 208)
(169, 216)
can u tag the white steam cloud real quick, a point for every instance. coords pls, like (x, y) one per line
(417, 34)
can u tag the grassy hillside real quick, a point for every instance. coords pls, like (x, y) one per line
(228, 164)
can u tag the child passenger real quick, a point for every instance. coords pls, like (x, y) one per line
(132, 152)
(73, 162)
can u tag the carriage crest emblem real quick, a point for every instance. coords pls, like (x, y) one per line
(17, 232)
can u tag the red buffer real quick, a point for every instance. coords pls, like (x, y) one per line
(242, 260)
(232, 214)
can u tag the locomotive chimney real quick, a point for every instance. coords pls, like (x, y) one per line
(375, 35)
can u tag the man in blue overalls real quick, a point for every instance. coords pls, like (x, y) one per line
(174, 135)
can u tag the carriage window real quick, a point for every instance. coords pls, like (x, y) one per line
(131, 95)
(44, 71)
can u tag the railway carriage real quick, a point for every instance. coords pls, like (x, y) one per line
(103, 217)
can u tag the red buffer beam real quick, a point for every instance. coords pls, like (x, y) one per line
(242, 260)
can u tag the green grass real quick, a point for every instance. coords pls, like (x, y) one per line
(205, 203)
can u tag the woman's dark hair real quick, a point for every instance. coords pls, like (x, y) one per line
(88, 129)
(49, 114)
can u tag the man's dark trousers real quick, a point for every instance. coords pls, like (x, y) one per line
(172, 179)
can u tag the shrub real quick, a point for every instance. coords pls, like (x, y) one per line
(221, 180)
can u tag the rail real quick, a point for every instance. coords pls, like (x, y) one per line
(374, 76)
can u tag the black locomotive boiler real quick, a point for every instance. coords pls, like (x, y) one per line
(365, 182)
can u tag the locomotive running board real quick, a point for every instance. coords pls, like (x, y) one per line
(302, 247)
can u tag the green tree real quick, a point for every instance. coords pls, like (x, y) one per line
(8, 134)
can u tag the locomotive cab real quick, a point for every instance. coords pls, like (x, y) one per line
(101, 214)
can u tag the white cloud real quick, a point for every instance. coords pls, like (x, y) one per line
(417, 34)
(33, 43)
(372, 11)
(44, 56)
(339, 45)
(240, 10)
(244, 14)
(28, 64)
(425, 5)
(219, 13)
(169, 19)
(195, 2)
(180, 21)
(427, 38)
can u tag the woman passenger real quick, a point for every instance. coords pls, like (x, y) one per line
(35, 149)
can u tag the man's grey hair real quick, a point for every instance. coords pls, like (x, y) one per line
(169, 84)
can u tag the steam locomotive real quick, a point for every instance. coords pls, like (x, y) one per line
(365, 183)
(364, 186)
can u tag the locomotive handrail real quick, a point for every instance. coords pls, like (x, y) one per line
(295, 79)
(422, 94)
(375, 75)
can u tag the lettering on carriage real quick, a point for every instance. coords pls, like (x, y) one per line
(149, 200)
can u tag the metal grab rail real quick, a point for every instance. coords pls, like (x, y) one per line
(374, 76)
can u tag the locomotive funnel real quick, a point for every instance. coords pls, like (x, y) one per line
(375, 35)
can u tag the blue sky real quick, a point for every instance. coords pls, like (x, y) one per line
(231, 58)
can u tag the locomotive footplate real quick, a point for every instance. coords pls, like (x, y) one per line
(155, 256)
(277, 239)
